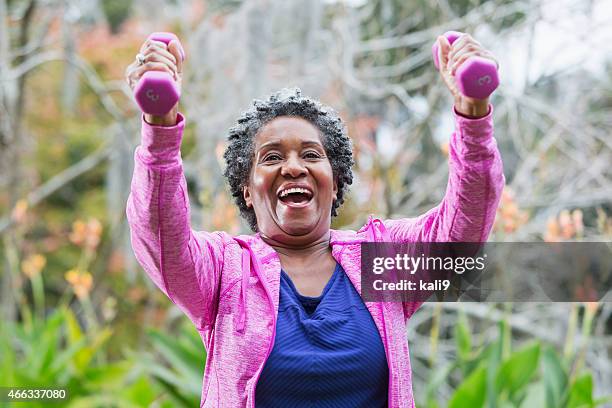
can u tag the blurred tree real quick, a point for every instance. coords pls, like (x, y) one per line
(12, 99)
(116, 12)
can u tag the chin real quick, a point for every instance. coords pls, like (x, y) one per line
(294, 226)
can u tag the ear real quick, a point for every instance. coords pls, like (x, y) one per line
(335, 190)
(247, 196)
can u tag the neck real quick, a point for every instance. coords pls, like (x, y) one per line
(299, 252)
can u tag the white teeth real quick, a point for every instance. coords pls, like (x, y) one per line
(294, 190)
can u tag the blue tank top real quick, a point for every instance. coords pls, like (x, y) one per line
(327, 351)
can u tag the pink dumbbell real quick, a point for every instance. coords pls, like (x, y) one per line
(156, 92)
(476, 77)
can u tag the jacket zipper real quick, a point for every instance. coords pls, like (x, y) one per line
(270, 345)
(389, 363)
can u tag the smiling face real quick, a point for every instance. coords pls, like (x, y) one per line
(291, 186)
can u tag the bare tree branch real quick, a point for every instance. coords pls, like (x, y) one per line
(60, 180)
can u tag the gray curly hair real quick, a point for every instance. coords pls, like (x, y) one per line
(240, 152)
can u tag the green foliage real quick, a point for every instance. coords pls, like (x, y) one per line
(555, 379)
(56, 351)
(472, 392)
(490, 375)
(178, 366)
(581, 392)
(116, 11)
(463, 338)
(516, 372)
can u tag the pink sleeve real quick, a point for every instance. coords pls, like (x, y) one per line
(184, 264)
(475, 184)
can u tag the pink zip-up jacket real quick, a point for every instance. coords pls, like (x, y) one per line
(229, 286)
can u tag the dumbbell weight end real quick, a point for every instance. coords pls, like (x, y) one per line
(156, 92)
(477, 77)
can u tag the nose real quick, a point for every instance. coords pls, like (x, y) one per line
(293, 167)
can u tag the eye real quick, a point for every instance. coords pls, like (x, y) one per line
(312, 155)
(272, 157)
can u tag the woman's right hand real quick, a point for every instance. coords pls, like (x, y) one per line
(158, 57)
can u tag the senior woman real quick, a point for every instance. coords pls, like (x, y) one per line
(280, 312)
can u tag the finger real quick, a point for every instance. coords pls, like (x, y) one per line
(128, 74)
(165, 58)
(492, 57)
(466, 43)
(464, 56)
(179, 54)
(443, 48)
(159, 48)
(460, 59)
(465, 40)
(151, 66)
(152, 44)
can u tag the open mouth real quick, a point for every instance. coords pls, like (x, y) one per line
(295, 197)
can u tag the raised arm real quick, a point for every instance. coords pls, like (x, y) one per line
(475, 183)
(184, 264)
(476, 178)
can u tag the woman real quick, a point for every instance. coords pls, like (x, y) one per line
(280, 312)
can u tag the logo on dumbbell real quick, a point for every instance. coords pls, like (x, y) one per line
(151, 95)
(486, 79)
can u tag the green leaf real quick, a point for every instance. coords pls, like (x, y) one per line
(516, 372)
(102, 400)
(184, 362)
(7, 355)
(494, 359)
(63, 358)
(463, 337)
(535, 396)
(555, 378)
(179, 398)
(108, 376)
(581, 392)
(74, 330)
(84, 356)
(471, 393)
(45, 344)
(141, 392)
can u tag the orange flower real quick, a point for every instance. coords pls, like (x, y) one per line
(94, 229)
(81, 282)
(552, 230)
(509, 216)
(19, 211)
(591, 307)
(509, 226)
(33, 264)
(445, 147)
(509, 211)
(577, 220)
(507, 195)
(567, 226)
(77, 236)
(86, 234)
(564, 227)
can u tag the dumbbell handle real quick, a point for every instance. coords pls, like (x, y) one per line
(156, 92)
(476, 77)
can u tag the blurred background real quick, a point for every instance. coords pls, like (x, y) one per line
(78, 312)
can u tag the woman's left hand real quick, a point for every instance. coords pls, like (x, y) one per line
(451, 57)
